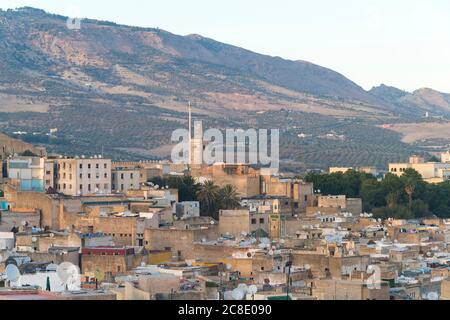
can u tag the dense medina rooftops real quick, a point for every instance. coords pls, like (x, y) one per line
(108, 251)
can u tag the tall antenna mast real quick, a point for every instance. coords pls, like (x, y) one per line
(190, 132)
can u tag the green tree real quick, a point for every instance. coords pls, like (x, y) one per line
(229, 198)
(208, 195)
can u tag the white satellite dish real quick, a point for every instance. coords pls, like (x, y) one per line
(66, 271)
(252, 290)
(433, 296)
(237, 294)
(34, 239)
(243, 287)
(12, 273)
(307, 267)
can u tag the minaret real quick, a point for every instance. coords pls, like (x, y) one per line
(190, 133)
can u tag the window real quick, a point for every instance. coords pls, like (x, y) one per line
(89, 175)
(253, 221)
(121, 187)
(89, 187)
(97, 166)
(81, 187)
(131, 176)
(121, 176)
(105, 166)
(106, 176)
(89, 166)
(261, 221)
(81, 166)
(81, 176)
(105, 186)
(64, 186)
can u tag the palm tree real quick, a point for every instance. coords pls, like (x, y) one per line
(229, 198)
(392, 199)
(208, 196)
(410, 188)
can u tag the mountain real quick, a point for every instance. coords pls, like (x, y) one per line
(428, 99)
(419, 101)
(11, 146)
(45, 63)
(124, 90)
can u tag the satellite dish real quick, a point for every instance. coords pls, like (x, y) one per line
(307, 267)
(237, 294)
(243, 287)
(229, 266)
(66, 271)
(52, 235)
(212, 223)
(34, 239)
(433, 296)
(51, 267)
(252, 290)
(12, 273)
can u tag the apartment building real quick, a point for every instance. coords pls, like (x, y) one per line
(124, 179)
(27, 172)
(81, 177)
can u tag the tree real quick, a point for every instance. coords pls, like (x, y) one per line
(28, 153)
(208, 196)
(229, 198)
(434, 159)
(410, 187)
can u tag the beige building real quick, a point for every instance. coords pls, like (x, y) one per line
(341, 203)
(124, 179)
(238, 222)
(432, 172)
(80, 177)
(445, 157)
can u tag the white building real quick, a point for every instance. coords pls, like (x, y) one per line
(28, 172)
(187, 209)
(81, 177)
(7, 241)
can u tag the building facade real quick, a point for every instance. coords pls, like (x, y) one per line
(81, 177)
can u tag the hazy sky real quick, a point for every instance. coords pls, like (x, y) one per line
(404, 43)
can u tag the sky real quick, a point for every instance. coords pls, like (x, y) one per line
(403, 43)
